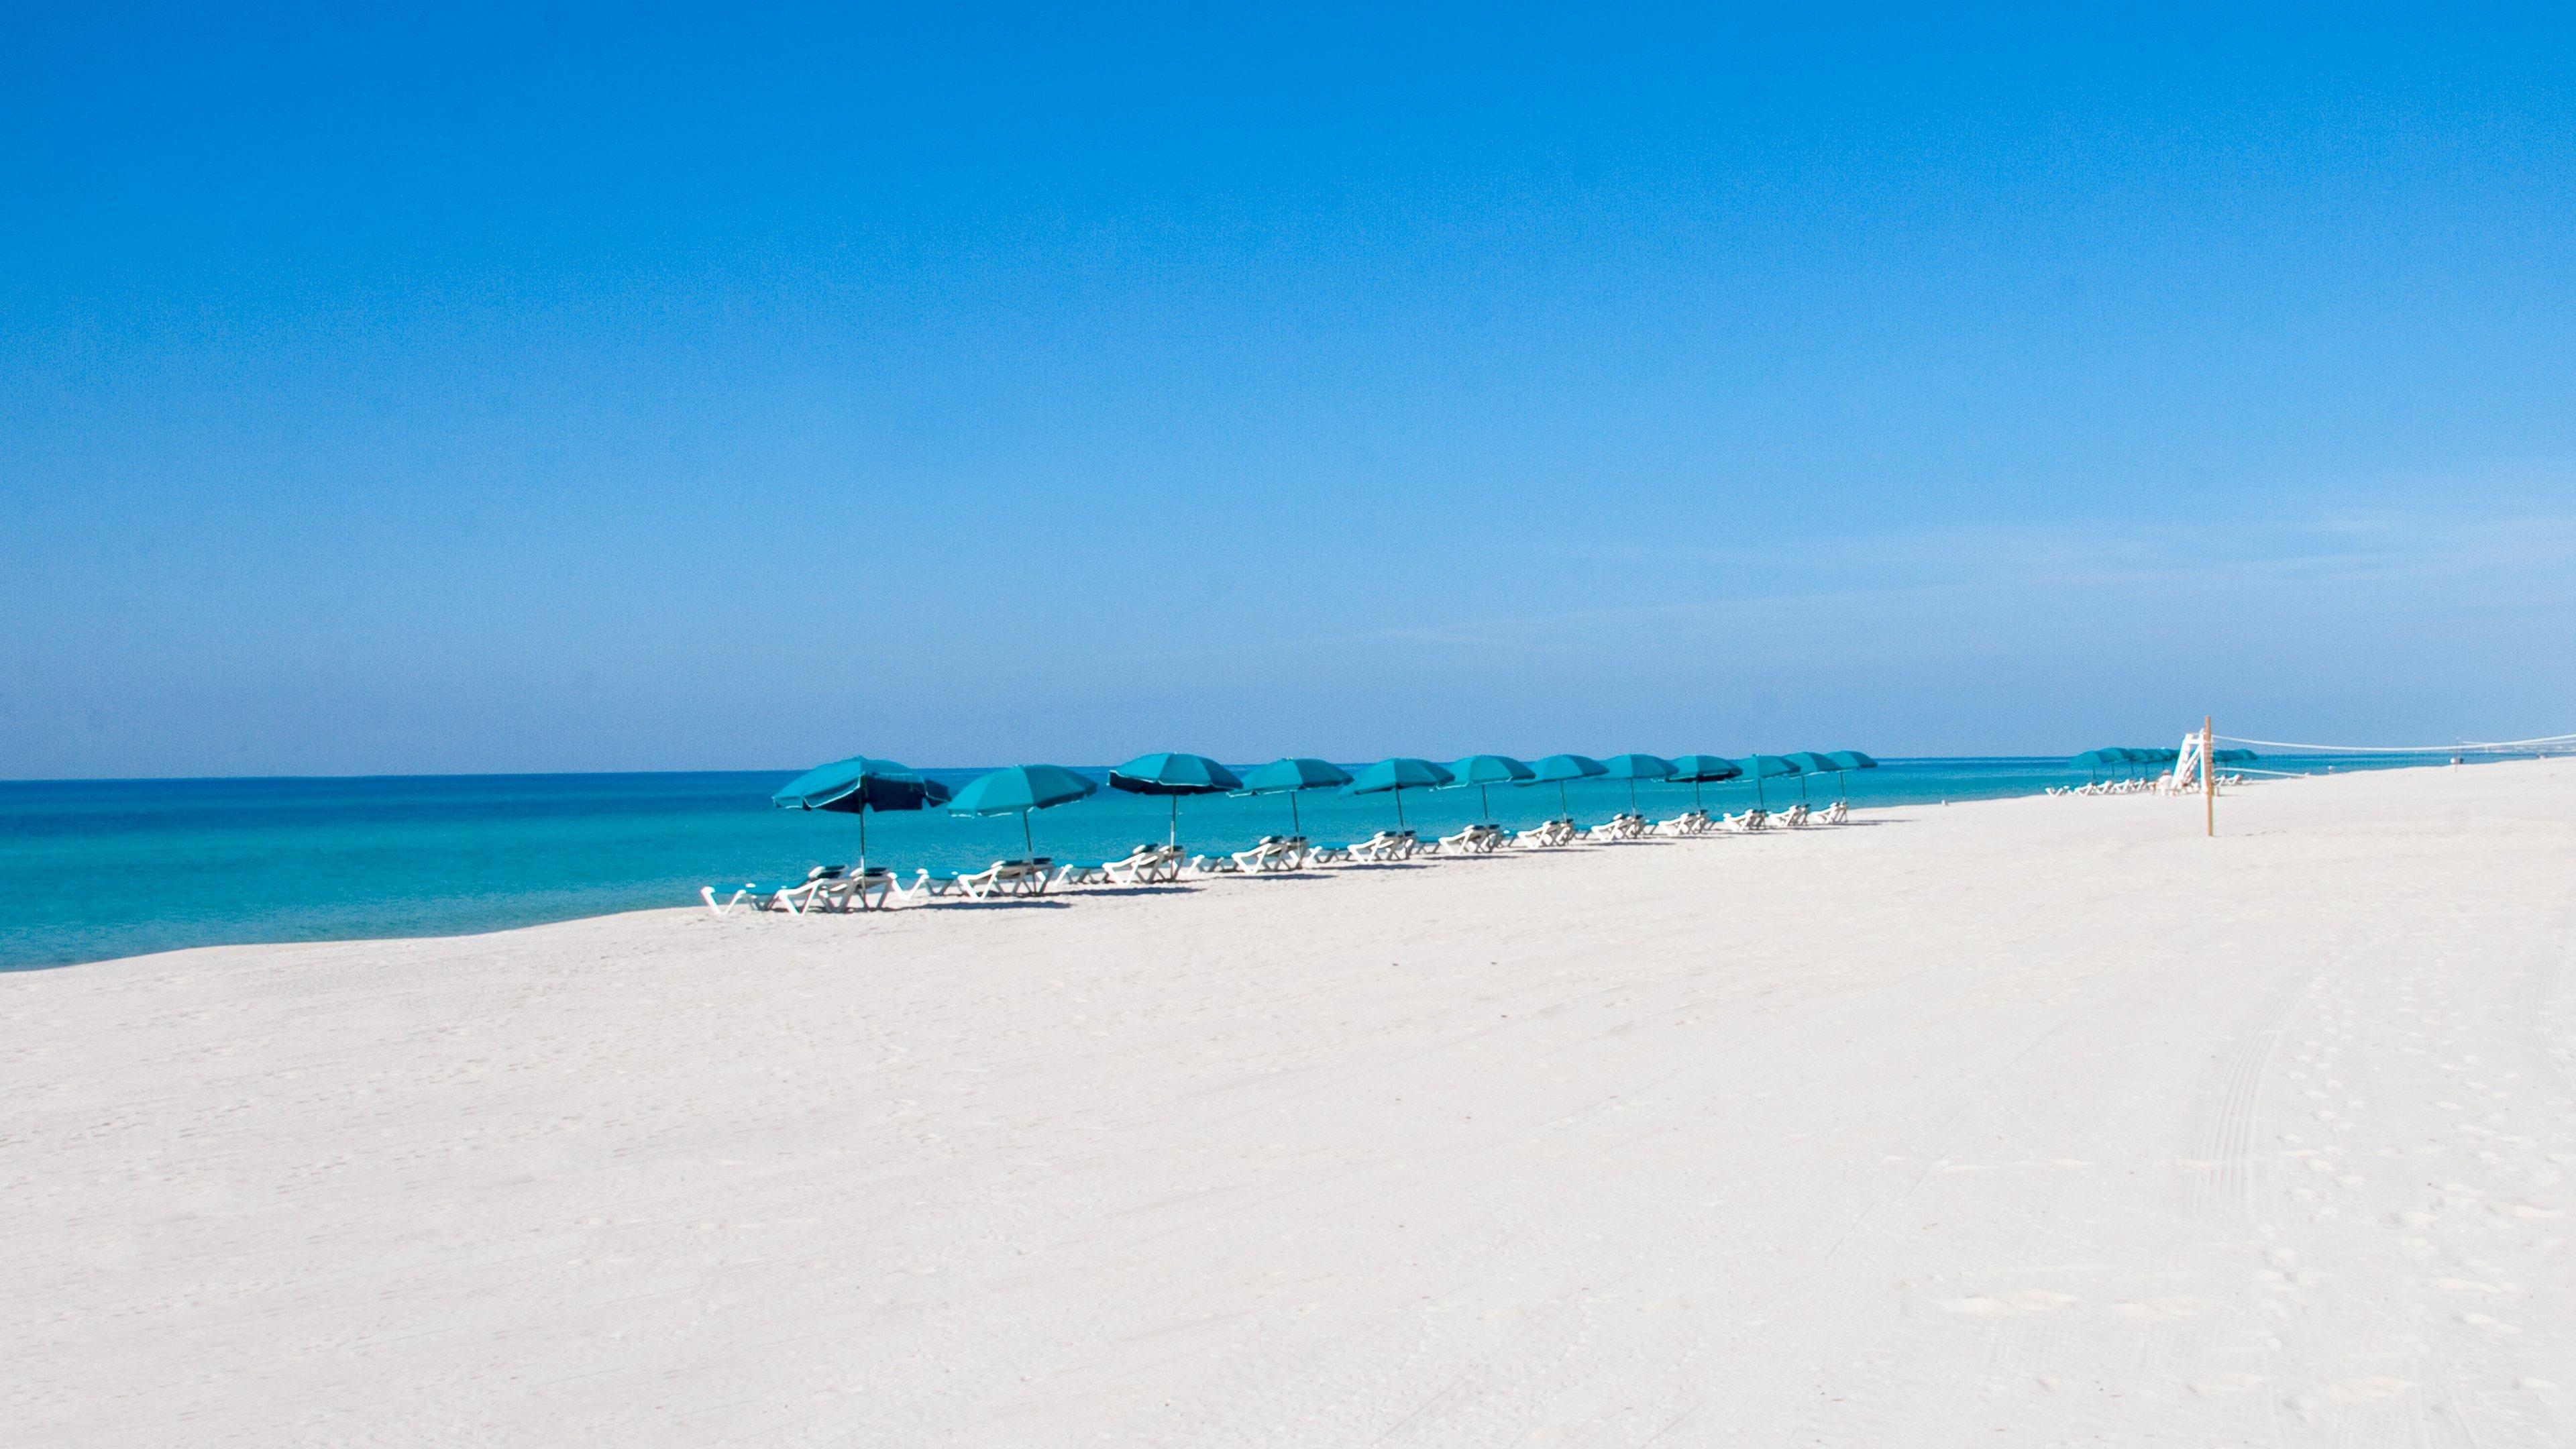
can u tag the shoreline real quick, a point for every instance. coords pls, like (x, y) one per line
(1860, 814)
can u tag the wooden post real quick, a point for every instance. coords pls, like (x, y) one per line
(2208, 784)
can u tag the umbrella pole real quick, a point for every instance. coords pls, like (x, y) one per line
(863, 840)
(1175, 841)
(1028, 843)
(1399, 808)
(1294, 828)
(1484, 803)
(1632, 797)
(1566, 809)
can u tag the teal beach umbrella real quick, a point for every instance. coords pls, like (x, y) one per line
(1292, 776)
(1486, 771)
(1697, 770)
(1020, 789)
(1758, 768)
(1558, 769)
(1808, 763)
(1633, 768)
(856, 786)
(1395, 776)
(1848, 760)
(1176, 776)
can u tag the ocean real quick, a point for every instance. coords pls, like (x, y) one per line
(93, 869)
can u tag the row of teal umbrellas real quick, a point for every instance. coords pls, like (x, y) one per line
(860, 784)
(2121, 757)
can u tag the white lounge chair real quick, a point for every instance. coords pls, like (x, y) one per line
(1275, 852)
(1008, 877)
(817, 888)
(1689, 822)
(1555, 832)
(1748, 822)
(1145, 865)
(1386, 845)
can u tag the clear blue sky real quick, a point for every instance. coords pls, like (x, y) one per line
(584, 389)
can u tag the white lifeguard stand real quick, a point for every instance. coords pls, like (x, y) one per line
(2189, 766)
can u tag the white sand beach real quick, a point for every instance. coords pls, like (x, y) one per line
(2016, 1123)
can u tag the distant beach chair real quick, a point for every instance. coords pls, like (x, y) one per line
(867, 890)
(1216, 865)
(1274, 853)
(1385, 845)
(1474, 840)
(820, 885)
(1745, 824)
(1329, 855)
(1145, 865)
(1689, 822)
(1008, 877)
(1559, 831)
(1080, 875)
(925, 886)
(1836, 813)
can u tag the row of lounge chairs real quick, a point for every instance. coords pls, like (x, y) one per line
(839, 888)
(2161, 785)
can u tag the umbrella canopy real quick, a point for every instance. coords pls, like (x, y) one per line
(1484, 772)
(1758, 768)
(1174, 775)
(1633, 768)
(1397, 775)
(1841, 760)
(1808, 763)
(857, 785)
(1289, 776)
(2233, 757)
(1695, 770)
(1294, 774)
(1020, 789)
(1558, 769)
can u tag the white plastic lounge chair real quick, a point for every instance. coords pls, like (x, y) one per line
(1275, 852)
(1215, 865)
(1384, 846)
(1081, 875)
(867, 890)
(816, 888)
(1835, 814)
(1008, 877)
(925, 885)
(1145, 865)
(1746, 823)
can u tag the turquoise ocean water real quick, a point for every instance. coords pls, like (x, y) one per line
(96, 869)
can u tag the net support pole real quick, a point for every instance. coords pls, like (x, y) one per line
(2208, 784)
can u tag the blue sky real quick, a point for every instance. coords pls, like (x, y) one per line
(599, 389)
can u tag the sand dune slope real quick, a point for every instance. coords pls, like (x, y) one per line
(2020, 1123)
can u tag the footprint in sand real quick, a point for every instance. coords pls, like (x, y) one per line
(2026, 1300)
